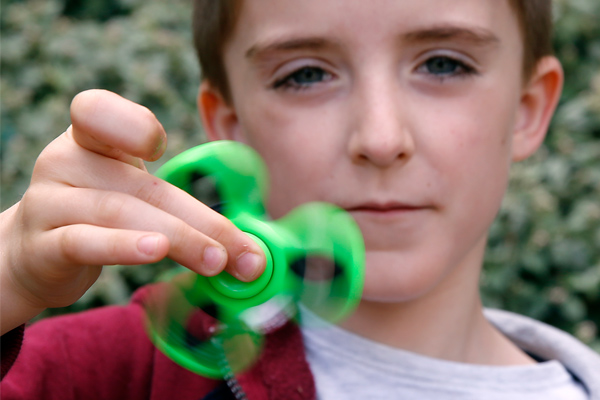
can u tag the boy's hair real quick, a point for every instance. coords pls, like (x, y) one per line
(536, 24)
(214, 22)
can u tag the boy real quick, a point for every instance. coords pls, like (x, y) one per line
(407, 114)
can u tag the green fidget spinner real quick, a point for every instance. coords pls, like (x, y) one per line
(315, 261)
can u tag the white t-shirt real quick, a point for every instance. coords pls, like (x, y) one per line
(346, 366)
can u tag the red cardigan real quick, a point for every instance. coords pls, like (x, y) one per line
(106, 354)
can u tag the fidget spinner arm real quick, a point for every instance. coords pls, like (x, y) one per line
(315, 260)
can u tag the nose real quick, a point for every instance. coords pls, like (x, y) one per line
(379, 132)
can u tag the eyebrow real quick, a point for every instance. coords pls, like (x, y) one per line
(474, 35)
(309, 43)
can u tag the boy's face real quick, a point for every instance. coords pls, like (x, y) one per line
(400, 111)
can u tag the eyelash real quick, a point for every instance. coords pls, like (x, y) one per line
(287, 82)
(460, 68)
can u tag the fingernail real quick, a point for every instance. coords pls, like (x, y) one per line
(148, 244)
(214, 259)
(247, 265)
(160, 147)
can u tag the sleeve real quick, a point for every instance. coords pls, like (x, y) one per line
(98, 354)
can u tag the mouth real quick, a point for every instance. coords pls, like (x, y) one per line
(386, 208)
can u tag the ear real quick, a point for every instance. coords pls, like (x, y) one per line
(219, 118)
(538, 102)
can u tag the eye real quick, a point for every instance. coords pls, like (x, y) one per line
(444, 66)
(303, 78)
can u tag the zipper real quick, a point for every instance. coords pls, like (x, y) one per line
(228, 374)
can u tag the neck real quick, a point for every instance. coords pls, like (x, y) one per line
(446, 323)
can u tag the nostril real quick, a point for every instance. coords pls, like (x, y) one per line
(381, 133)
(383, 153)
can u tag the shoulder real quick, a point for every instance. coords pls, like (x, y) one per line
(550, 343)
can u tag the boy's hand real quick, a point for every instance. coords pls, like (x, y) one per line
(91, 202)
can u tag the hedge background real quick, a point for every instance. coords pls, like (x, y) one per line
(544, 251)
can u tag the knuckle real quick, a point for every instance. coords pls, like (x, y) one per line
(114, 247)
(69, 243)
(151, 191)
(50, 158)
(111, 207)
(30, 203)
(221, 230)
(38, 207)
(180, 236)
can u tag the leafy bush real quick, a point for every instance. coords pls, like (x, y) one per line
(544, 251)
(48, 57)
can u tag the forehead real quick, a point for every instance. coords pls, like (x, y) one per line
(366, 22)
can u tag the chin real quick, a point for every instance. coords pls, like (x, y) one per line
(394, 278)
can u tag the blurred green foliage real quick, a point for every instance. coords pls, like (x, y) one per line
(544, 251)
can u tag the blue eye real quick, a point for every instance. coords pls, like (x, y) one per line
(303, 77)
(445, 66)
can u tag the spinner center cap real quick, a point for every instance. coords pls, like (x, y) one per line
(232, 287)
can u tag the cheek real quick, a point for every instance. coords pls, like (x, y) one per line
(476, 168)
(297, 150)
(469, 140)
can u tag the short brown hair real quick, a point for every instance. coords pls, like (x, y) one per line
(214, 22)
(535, 21)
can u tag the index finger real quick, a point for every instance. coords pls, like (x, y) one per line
(115, 127)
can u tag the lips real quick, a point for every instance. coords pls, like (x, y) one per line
(399, 214)
(388, 207)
